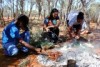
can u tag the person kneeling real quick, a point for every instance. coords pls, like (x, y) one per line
(51, 25)
(11, 36)
(77, 25)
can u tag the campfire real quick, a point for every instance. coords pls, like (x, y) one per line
(54, 55)
(82, 55)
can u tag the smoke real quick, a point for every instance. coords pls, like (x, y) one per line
(82, 53)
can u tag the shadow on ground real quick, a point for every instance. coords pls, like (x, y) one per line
(6, 61)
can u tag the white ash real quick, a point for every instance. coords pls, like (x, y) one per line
(43, 59)
(84, 56)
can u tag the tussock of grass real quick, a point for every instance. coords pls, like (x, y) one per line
(38, 41)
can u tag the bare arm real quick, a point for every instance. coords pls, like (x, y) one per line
(58, 23)
(45, 28)
(70, 32)
(27, 45)
(69, 29)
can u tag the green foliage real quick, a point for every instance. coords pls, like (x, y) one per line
(38, 41)
(46, 44)
(35, 39)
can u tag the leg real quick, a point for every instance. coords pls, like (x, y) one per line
(10, 49)
(24, 49)
(50, 32)
(77, 30)
(70, 31)
(56, 31)
(26, 37)
(54, 34)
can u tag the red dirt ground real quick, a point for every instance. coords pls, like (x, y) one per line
(14, 61)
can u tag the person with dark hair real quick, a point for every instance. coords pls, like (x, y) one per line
(51, 24)
(76, 24)
(11, 36)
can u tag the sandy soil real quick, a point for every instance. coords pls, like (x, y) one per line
(14, 61)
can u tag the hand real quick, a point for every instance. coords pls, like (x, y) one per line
(84, 32)
(38, 49)
(77, 37)
(47, 30)
(73, 34)
(51, 26)
(27, 44)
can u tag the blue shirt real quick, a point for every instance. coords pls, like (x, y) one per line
(10, 33)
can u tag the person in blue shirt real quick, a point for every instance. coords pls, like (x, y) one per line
(11, 36)
(51, 24)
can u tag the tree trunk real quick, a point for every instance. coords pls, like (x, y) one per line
(44, 14)
(39, 9)
(48, 7)
(68, 9)
(22, 6)
(56, 4)
(1, 13)
(61, 14)
(13, 10)
(17, 8)
(85, 13)
(3, 22)
(30, 9)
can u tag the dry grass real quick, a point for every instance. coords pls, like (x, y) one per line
(22, 60)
